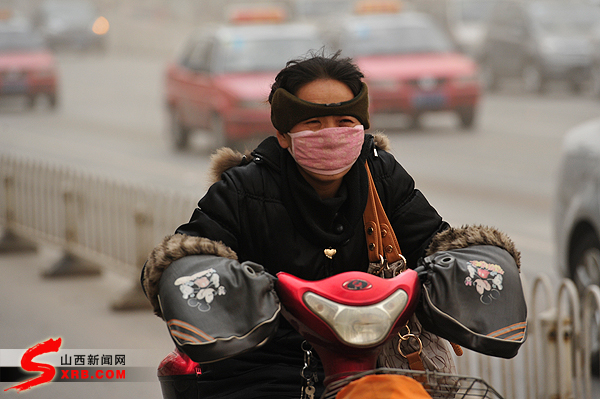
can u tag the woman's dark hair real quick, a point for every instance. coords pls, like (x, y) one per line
(315, 66)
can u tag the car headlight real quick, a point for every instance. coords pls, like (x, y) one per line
(549, 46)
(253, 104)
(101, 26)
(465, 80)
(554, 47)
(385, 84)
(360, 326)
(44, 73)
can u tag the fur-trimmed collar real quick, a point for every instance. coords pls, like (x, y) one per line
(226, 158)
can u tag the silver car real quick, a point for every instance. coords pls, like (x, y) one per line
(540, 41)
(71, 24)
(577, 210)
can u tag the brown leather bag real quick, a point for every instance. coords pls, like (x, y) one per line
(385, 257)
(417, 349)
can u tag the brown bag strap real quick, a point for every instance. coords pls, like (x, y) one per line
(415, 362)
(381, 239)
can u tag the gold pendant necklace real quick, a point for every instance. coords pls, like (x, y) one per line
(330, 252)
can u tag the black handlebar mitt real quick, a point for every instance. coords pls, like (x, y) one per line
(472, 293)
(173, 247)
(216, 308)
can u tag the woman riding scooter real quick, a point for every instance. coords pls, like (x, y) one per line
(295, 204)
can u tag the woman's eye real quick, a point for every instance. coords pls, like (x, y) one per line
(313, 124)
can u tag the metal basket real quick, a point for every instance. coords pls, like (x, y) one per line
(438, 385)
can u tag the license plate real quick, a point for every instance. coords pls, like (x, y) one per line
(14, 87)
(429, 100)
(13, 82)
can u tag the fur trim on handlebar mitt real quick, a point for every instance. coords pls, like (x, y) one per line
(472, 293)
(466, 236)
(172, 248)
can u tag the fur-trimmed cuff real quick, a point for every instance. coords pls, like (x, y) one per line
(467, 236)
(174, 247)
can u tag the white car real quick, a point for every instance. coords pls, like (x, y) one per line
(577, 210)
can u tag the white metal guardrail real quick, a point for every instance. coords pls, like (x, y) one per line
(109, 224)
(99, 223)
(554, 362)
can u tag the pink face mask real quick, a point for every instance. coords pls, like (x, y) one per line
(327, 151)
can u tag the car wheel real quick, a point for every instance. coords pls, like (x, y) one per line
(584, 265)
(576, 86)
(217, 131)
(595, 83)
(467, 117)
(30, 102)
(414, 122)
(585, 261)
(52, 101)
(180, 135)
(533, 80)
(488, 77)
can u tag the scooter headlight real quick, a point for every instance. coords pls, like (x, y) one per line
(360, 326)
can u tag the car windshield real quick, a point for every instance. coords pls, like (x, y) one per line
(70, 12)
(20, 41)
(474, 11)
(239, 54)
(569, 18)
(366, 39)
(321, 8)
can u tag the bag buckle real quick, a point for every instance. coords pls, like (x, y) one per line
(384, 269)
(406, 337)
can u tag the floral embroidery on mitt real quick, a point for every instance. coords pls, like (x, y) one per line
(200, 288)
(487, 279)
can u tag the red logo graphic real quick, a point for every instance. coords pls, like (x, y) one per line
(27, 363)
(357, 285)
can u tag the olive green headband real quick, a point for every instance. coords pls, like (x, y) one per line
(288, 110)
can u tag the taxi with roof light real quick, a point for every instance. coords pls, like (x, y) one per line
(219, 83)
(409, 62)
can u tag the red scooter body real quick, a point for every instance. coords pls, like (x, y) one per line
(348, 317)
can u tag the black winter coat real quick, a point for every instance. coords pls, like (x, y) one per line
(267, 213)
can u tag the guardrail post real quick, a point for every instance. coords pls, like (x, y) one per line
(543, 370)
(10, 242)
(569, 350)
(591, 305)
(135, 298)
(549, 330)
(71, 264)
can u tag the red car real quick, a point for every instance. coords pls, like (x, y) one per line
(410, 65)
(27, 67)
(221, 80)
